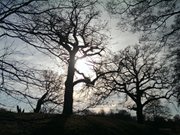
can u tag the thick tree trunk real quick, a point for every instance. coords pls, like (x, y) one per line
(68, 95)
(139, 113)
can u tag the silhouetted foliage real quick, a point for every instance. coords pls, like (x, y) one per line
(176, 118)
(121, 114)
(3, 110)
(155, 110)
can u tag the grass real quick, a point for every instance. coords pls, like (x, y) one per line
(53, 124)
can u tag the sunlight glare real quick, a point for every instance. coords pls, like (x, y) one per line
(84, 66)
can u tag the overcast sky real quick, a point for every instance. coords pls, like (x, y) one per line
(118, 40)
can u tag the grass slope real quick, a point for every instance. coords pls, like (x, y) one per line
(50, 124)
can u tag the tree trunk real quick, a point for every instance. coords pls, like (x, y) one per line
(139, 113)
(68, 95)
(40, 102)
(38, 106)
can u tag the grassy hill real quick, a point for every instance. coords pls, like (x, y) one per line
(51, 124)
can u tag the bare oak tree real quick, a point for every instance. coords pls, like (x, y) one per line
(138, 73)
(158, 20)
(52, 90)
(69, 31)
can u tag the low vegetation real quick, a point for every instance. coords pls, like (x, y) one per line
(53, 124)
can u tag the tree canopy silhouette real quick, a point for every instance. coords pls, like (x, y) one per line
(157, 20)
(68, 30)
(13, 72)
(137, 73)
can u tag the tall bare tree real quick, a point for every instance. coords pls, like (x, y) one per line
(69, 31)
(158, 20)
(138, 73)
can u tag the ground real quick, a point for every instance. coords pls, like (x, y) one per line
(56, 124)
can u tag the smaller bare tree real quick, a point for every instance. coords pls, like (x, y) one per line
(140, 75)
(52, 90)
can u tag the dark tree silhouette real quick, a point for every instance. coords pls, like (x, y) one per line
(158, 19)
(51, 89)
(68, 30)
(137, 72)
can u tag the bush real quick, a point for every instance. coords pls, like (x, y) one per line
(121, 114)
(3, 110)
